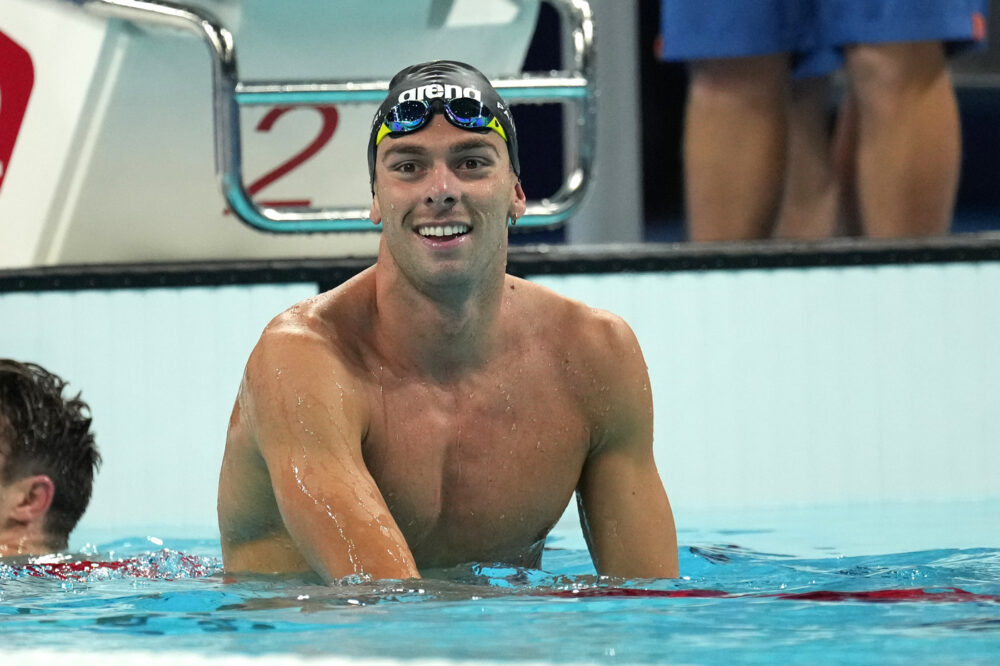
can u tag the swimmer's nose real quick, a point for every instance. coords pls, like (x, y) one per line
(442, 188)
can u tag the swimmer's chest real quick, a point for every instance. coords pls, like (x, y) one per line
(494, 460)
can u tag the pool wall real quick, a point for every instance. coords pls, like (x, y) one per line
(773, 387)
(160, 369)
(817, 385)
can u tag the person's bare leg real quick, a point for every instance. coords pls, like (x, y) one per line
(845, 161)
(809, 202)
(734, 146)
(909, 139)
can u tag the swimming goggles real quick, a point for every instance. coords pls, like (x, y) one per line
(462, 112)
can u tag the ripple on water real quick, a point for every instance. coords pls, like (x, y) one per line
(768, 606)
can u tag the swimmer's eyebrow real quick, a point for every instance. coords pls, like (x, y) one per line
(473, 144)
(464, 146)
(402, 150)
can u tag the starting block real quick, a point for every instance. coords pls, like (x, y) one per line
(108, 122)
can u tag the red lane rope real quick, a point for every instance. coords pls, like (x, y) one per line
(191, 567)
(948, 595)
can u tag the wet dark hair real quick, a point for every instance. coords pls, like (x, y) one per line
(41, 432)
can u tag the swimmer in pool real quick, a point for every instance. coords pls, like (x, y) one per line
(433, 410)
(47, 461)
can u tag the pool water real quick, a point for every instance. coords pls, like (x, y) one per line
(734, 603)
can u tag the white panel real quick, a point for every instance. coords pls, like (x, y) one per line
(61, 78)
(160, 369)
(810, 386)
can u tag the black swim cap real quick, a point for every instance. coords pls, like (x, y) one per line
(447, 80)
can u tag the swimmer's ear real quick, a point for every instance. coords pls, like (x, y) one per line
(36, 494)
(375, 214)
(519, 203)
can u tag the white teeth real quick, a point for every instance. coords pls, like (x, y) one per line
(446, 230)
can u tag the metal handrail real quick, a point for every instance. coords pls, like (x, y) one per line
(573, 86)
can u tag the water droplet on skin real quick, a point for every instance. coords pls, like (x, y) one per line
(351, 547)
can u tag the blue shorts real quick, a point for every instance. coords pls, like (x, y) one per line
(813, 32)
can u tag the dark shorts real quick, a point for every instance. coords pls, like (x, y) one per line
(814, 32)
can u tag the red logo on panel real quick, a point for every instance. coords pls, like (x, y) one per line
(17, 76)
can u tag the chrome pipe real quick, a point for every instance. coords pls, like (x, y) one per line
(222, 50)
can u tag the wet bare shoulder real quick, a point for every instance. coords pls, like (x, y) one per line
(588, 332)
(598, 353)
(310, 351)
(335, 320)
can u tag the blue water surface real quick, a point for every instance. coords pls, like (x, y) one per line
(744, 606)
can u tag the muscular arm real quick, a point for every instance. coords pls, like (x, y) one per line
(300, 408)
(624, 510)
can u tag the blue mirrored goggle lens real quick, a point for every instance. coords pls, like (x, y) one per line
(468, 113)
(407, 116)
(463, 112)
(412, 114)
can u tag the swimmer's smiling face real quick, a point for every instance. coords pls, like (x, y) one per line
(443, 195)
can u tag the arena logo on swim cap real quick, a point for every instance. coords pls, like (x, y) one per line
(434, 90)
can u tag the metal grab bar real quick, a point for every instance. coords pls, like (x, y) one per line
(574, 86)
